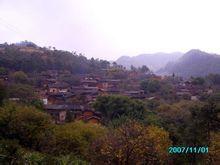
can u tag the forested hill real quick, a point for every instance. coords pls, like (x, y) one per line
(194, 63)
(28, 57)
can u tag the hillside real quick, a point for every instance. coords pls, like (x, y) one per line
(193, 63)
(153, 61)
(28, 57)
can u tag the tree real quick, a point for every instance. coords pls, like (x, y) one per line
(2, 92)
(131, 143)
(190, 124)
(152, 104)
(144, 69)
(150, 86)
(208, 117)
(75, 138)
(32, 128)
(19, 77)
(23, 91)
(133, 68)
(37, 104)
(198, 81)
(70, 159)
(114, 106)
(10, 152)
(3, 71)
(214, 148)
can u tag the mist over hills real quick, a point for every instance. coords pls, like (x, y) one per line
(153, 61)
(193, 63)
(29, 57)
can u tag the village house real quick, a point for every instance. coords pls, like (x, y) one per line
(45, 82)
(58, 112)
(110, 91)
(85, 90)
(59, 98)
(55, 98)
(108, 83)
(58, 88)
(139, 94)
(194, 98)
(89, 83)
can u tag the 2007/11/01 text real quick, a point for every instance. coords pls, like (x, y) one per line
(187, 150)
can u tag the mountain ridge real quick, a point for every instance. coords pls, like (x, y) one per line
(154, 61)
(193, 63)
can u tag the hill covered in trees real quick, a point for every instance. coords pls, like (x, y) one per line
(194, 63)
(28, 57)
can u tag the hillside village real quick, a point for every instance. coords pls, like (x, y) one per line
(61, 98)
(118, 82)
(57, 105)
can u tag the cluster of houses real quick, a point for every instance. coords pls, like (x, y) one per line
(187, 90)
(62, 99)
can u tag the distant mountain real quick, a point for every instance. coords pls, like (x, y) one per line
(153, 61)
(193, 63)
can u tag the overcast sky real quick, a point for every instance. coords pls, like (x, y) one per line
(108, 29)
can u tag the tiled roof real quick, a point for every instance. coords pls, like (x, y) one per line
(63, 107)
(58, 85)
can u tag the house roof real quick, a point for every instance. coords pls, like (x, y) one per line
(93, 117)
(59, 85)
(89, 81)
(110, 80)
(111, 90)
(63, 107)
(85, 92)
(96, 113)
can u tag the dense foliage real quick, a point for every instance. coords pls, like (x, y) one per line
(131, 143)
(35, 59)
(114, 106)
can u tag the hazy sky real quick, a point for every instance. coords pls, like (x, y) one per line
(108, 29)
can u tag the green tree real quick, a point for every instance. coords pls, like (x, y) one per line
(198, 81)
(10, 152)
(37, 104)
(3, 71)
(114, 106)
(3, 92)
(23, 91)
(150, 86)
(32, 128)
(144, 69)
(70, 159)
(75, 138)
(19, 77)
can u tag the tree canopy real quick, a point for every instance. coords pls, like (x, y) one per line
(114, 106)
